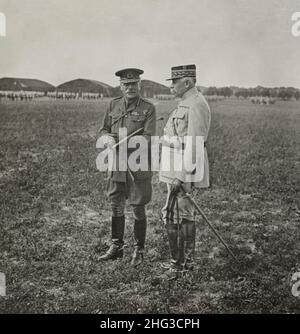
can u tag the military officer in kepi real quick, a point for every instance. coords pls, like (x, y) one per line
(132, 112)
(184, 166)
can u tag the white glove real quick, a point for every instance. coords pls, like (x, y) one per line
(106, 141)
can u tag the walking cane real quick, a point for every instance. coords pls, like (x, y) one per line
(178, 222)
(209, 224)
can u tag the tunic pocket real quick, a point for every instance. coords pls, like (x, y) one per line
(180, 123)
(115, 121)
(135, 122)
(137, 118)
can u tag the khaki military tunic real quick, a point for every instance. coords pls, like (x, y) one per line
(140, 114)
(192, 118)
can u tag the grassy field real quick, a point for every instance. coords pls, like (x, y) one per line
(55, 219)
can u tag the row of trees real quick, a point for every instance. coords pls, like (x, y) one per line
(284, 93)
(223, 91)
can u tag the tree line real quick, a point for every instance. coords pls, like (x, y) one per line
(283, 93)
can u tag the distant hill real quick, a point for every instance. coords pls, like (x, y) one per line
(86, 86)
(149, 88)
(17, 84)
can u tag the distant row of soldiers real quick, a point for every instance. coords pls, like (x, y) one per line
(164, 97)
(214, 98)
(20, 95)
(30, 95)
(63, 95)
(75, 96)
(209, 98)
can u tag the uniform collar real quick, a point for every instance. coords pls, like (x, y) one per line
(190, 92)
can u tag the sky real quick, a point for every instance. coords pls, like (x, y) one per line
(232, 42)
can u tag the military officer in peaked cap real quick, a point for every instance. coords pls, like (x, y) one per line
(190, 120)
(132, 112)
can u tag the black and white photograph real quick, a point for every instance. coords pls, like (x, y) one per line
(149, 158)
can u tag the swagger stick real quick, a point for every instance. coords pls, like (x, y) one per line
(209, 224)
(127, 137)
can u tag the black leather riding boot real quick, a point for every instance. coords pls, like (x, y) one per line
(140, 228)
(189, 234)
(117, 233)
(117, 230)
(176, 244)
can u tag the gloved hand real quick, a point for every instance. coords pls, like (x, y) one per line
(176, 186)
